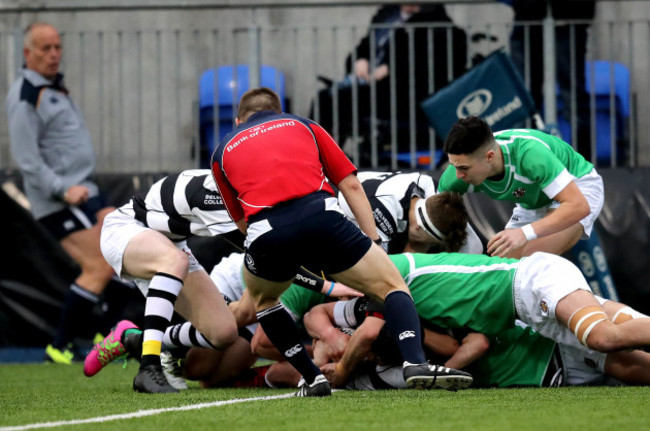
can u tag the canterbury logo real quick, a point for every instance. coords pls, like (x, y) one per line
(292, 351)
(406, 334)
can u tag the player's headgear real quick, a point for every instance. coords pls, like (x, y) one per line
(425, 222)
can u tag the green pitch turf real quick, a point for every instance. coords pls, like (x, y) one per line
(34, 394)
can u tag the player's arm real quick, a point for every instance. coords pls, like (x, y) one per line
(473, 346)
(358, 348)
(319, 325)
(573, 208)
(333, 289)
(356, 198)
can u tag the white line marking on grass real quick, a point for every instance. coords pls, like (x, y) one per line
(142, 413)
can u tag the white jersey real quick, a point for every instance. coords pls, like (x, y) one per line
(182, 205)
(390, 196)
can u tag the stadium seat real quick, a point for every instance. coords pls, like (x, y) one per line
(601, 74)
(232, 82)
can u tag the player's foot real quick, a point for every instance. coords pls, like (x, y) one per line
(133, 344)
(319, 388)
(58, 356)
(428, 376)
(173, 369)
(152, 380)
(108, 350)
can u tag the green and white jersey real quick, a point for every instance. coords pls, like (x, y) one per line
(299, 300)
(517, 357)
(456, 290)
(537, 166)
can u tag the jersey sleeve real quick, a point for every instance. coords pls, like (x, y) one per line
(24, 130)
(336, 164)
(228, 194)
(542, 166)
(450, 183)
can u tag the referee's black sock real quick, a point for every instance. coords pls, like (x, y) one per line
(403, 323)
(283, 333)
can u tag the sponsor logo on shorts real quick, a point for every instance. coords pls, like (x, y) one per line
(68, 224)
(543, 306)
(519, 192)
(292, 351)
(250, 263)
(406, 334)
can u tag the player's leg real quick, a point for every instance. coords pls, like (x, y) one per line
(149, 254)
(201, 303)
(282, 331)
(632, 367)
(585, 317)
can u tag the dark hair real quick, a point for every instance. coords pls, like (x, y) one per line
(448, 213)
(467, 135)
(258, 99)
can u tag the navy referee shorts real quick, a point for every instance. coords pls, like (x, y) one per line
(311, 231)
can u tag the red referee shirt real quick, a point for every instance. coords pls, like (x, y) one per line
(274, 158)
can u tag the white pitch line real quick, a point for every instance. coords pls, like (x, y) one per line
(142, 413)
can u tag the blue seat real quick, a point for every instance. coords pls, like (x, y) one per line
(232, 82)
(602, 74)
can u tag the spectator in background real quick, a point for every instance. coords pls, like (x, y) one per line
(565, 50)
(363, 66)
(51, 146)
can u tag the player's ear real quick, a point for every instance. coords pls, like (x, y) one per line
(237, 121)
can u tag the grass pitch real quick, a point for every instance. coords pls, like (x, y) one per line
(48, 396)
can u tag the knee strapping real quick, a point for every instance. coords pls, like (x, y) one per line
(627, 313)
(584, 320)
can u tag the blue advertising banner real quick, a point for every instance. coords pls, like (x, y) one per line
(492, 90)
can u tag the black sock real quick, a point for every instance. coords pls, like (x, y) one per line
(77, 311)
(403, 323)
(283, 333)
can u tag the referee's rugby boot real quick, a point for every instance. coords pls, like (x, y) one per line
(151, 380)
(110, 349)
(428, 376)
(320, 388)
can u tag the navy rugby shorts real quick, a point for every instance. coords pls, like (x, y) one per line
(310, 231)
(71, 219)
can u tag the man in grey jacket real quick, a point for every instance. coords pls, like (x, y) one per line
(51, 146)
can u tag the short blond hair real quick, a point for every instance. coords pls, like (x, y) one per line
(256, 100)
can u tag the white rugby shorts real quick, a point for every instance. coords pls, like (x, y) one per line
(117, 231)
(541, 281)
(591, 186)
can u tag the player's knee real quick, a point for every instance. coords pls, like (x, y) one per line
(224, 334)
(605, 338)
(173, 261)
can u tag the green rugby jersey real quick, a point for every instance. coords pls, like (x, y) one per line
(456, 290)
(299, 300)
(517, 357)
(537, 166)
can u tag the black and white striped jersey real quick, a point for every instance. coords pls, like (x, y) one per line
(390, 196)
(181, 205)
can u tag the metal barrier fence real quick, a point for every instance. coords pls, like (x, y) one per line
(139, 90)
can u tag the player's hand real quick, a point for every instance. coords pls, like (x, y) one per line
(76, 195)
(505, 242)
(339, 290)
(362, 69)
(331, 373)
